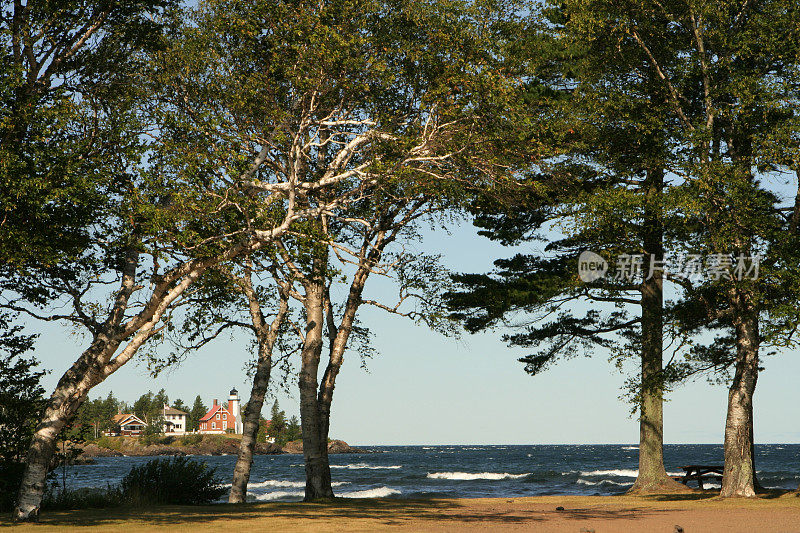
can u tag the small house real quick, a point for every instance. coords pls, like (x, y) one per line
(128, 424)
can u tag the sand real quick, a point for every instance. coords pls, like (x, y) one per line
(602, 514)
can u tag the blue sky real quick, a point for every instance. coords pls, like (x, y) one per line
(423, 388)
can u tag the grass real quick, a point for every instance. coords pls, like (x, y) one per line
(695, 511)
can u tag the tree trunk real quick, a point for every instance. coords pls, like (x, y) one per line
(68, 396)
(739, 475)
(652, 475)
(252, 416)
(315, 442)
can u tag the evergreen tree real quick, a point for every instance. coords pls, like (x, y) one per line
(180, 406)
(277, 423)
(143, 406)
(293, 430)
(197, 412)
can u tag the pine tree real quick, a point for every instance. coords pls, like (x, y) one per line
(197, 412)
(277, 423)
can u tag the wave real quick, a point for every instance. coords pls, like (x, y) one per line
(622, 473)
(287, 484)
(364, 466)
(618, 473)
(601, 482)
(466, 476)
(380, 492)
(279, 494)
(630, 447)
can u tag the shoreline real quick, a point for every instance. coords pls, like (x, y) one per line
(212, 445)
(694, 512)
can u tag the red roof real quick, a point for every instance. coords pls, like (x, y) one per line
(211, 412)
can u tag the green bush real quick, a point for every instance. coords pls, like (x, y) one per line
(214, 439)
(112, 443)
(150, 439)
(174, 481)
(190, 440)
(10, 479)
(83, 498)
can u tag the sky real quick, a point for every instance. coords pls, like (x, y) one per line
(423, 388)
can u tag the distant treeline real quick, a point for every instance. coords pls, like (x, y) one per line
(95, 417)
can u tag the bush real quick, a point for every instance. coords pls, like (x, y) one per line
(173, 481)
(214, 439)
(10, 479)
(190, 440)
(111, 443)
(83, 498)
(150, 439)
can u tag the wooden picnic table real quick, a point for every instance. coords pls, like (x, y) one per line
(699, 473)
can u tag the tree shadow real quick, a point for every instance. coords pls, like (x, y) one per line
(385, 511)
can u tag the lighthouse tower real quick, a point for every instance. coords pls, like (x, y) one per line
(235, 409)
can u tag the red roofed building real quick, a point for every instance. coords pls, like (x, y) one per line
(217, 420)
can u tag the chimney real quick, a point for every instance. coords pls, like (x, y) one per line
(215, 402)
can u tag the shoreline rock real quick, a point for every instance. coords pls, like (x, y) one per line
(208, 445)
(334, 446)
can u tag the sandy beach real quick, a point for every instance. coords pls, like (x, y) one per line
(602, 514)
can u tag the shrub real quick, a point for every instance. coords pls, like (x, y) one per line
(111, 443)
(173, 481)
(190, 440)
(214, 439)
(83, 498)
(154, 438)
(10, 479)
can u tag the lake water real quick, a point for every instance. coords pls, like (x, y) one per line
(464, 471)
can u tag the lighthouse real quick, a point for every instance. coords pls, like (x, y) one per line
(235, 409)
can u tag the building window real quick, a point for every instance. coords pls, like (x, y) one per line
(224, 417)
(213, 425)
(217, 416)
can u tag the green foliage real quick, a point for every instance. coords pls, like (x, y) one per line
(190, 440)
(21, 404)
(95, 416)
(173, 481)
(153, 433)
(112, 443)
(197, 412)
(83, 498)
(279, 428)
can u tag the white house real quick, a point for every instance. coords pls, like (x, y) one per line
(174, 421)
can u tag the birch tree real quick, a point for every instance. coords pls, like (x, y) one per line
(172, 208)
(411, 101)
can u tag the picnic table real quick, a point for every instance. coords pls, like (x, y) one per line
(700, 473)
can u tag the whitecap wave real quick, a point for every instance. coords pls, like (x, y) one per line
(622, 472)
(601, 482)
(380, 492)
(281, 494)
(630, 447)
(287, 484)
(364, 466)
(617, 472)
(466, 476)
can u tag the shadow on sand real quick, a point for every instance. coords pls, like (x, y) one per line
(385, 511)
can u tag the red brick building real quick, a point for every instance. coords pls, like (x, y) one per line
(217, 420)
